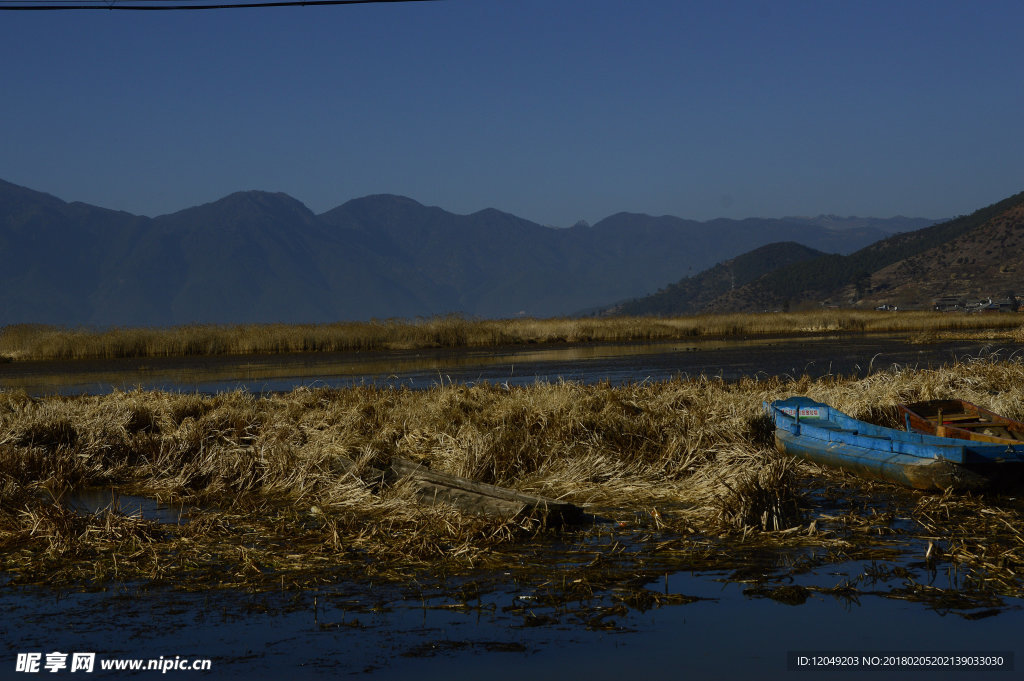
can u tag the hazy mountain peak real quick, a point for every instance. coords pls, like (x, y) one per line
(494, 213)
(897, 223)
(384, 200)
(252, 206)
(261, 199)
(11, 194)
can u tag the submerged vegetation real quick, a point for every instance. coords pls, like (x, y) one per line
(281, 491)
(40, 342)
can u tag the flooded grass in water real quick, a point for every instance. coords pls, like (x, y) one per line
(680, 476)
(278, 490)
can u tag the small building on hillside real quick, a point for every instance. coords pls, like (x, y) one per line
(950, 304)
(1003, 305)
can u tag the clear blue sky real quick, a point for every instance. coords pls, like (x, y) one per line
(555, 110)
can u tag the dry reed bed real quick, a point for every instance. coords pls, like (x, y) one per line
(277, 498)
(28, 341)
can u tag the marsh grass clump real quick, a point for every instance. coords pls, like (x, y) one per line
(47, 432)
(46, 542)
(762, 494)
(979, 537)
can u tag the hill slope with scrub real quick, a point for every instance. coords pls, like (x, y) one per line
(692, 294)
(972, 256)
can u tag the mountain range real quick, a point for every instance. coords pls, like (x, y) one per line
(258, 256)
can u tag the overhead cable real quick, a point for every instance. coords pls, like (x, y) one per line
(148, 5)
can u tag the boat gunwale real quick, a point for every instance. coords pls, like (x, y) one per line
(862, 435)
(925, 422)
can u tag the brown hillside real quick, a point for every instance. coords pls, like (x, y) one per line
(971, 257)
(985, 262)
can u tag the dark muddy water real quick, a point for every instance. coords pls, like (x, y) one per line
(727, 633)
(756, 619)
(730, 359)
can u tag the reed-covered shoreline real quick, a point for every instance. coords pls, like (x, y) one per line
(282, 490)
(40, 342)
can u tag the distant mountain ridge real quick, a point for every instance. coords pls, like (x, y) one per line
(976, 255)
(258, 256)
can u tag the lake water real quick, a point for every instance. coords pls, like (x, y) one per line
(383, 632)
(727, 634)
(99, 500)
(616, 363)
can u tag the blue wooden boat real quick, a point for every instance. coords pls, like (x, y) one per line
(820, 433)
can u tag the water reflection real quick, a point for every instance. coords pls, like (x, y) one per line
(92, 500)
(331, 632)
(615, 363)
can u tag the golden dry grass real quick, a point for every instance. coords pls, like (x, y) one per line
(28, 341)
(277, 495)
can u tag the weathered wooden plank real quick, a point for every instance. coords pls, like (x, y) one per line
(479, 497)
(433, 487)
(404, 467)
(342, 465)
(472, 502)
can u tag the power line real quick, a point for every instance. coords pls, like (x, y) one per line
(176, 5)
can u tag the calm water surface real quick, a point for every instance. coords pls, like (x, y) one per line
(728, 634)
(617, 364)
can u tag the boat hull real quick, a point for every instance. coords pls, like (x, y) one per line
(909, 471)
(817, 432)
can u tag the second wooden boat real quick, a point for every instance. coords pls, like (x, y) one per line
(963, 420)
